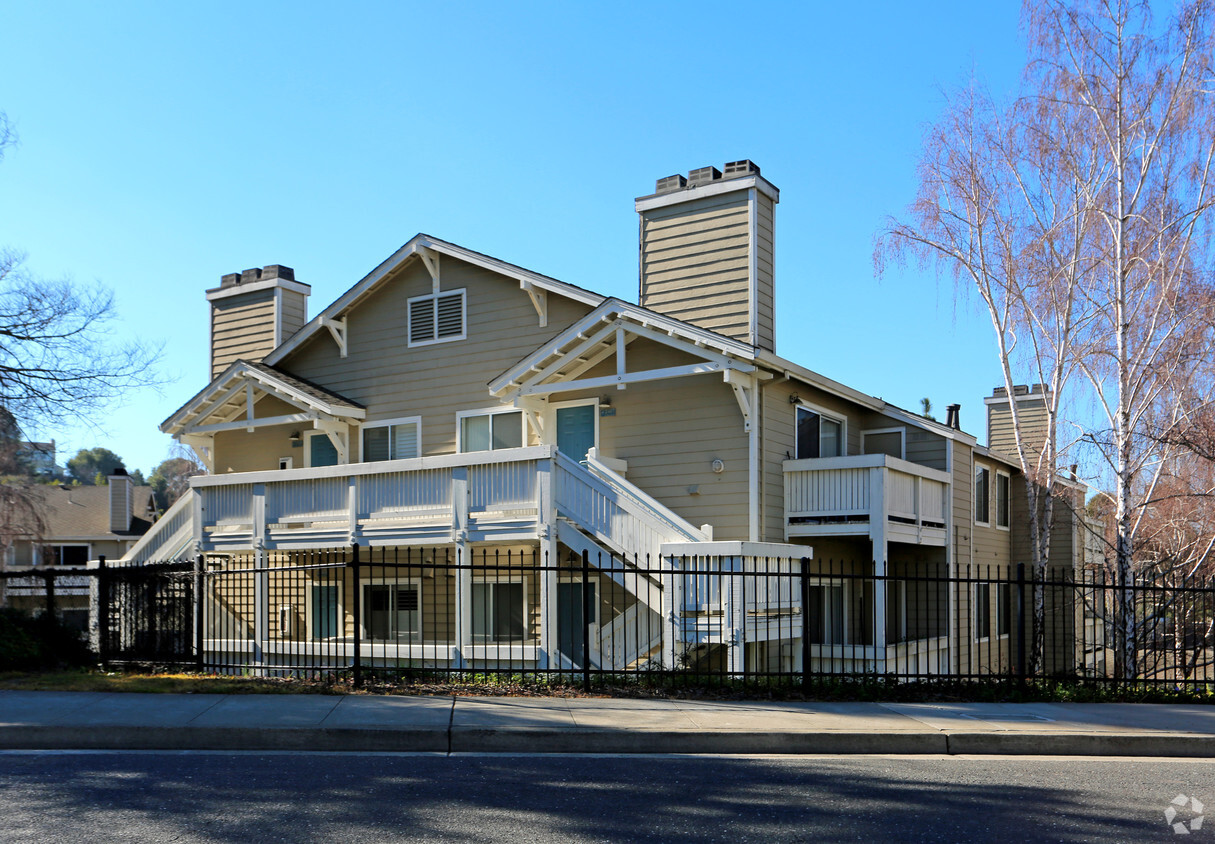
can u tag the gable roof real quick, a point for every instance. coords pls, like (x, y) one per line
(83, 512)
(223, 397)
(416, 246)
(594, 337)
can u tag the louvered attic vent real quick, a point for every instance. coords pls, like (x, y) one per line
(437, 318)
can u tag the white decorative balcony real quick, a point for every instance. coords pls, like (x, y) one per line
(868, 494)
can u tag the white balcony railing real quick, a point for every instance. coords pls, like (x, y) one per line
(486, 495)
(848, 494)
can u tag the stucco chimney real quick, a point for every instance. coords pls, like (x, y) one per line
(253, 312)
(121, 490)
(707, 251)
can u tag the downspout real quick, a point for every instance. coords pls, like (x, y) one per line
(761, 420)
(753, 486)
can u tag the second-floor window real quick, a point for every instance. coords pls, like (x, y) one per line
(489, 431)
(818, 435)
(437, 318)
(395, 440)
(982, 495)
(1003, 516)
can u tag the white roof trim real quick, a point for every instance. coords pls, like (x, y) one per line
(419, 242)
(254, 286)
(177, 423)
(714, 188)
(647, 323)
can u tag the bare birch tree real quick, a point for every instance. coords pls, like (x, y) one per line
(1145, 93)
(996, 209)
(1081, 214)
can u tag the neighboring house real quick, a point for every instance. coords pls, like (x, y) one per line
(39, 458)
(80, 523)
(453, 400)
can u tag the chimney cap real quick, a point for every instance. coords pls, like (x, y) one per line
(703, 175)
(119, 473)
(743, 167)
(670, 183)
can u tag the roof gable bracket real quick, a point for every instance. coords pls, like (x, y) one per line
(431, 259)
(539, 299)
(337, 330)
(744, 394)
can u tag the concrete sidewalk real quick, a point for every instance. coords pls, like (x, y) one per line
(95, 720)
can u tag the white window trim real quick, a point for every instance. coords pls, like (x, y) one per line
(341, 605)
(900, 592)
(974, 618)
(308, 435)
(433, 297)
(286, 462)
(995, 500)
(550, 418)
(902, 432)
(844, 584)
(1008, 610)
(365, 618)
(527, 615)
(461, 415)
(384, 423)
(821, 411)
(974, 498)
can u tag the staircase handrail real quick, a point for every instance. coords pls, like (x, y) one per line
(163, 531)
(633, 501)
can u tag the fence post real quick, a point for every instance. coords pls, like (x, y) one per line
(103, 609)
(49, 579)
(805, 620)
(1021, 621)
(200, 606)
(357, 663)
(586, 621)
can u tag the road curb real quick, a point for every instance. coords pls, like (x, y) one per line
(1180, 745)
(600, 740)
(543, 740)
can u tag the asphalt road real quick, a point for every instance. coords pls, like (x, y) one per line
(260, 797)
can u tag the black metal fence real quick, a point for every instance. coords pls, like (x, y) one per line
(435, 612)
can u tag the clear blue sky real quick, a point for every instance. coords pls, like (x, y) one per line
(164, 144)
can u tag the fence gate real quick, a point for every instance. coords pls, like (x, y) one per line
(147, 614)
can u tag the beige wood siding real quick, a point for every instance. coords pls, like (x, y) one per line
(695, 263)
(765, 299)
(392, 380)
(260, 449)
(295, 313)
(671, 431)
(242, 326)
(1000, 432)
(992, 545)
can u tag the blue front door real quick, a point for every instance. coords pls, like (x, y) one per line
(576, 430)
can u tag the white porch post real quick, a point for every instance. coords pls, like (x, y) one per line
(877, 536)
(547, 531)
(735, 601)
(672, 598)
(459, 529)
(261, 577)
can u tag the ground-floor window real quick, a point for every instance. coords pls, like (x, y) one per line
(64, 555)
(392, 611)
(499, 611)
(982, 610)
(825, 623)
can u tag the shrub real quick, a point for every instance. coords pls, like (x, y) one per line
(30, 643)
